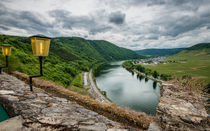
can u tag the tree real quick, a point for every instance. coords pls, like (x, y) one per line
(155, 74)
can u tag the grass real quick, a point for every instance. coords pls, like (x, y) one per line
(78, 87)
(77, 81)
(194, 63)
(82, 91)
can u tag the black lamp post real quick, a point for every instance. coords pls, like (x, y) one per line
(6, 51)
(40, 47)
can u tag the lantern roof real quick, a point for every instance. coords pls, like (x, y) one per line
(6, 45)
(40, 36)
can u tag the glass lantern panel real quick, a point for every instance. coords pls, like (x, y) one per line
(6, 50)
(39, 47)
(33, 45)
(46, 47)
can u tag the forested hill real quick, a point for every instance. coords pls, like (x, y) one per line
(68, 56)
(160, 52)
(200, 46)
(81, 48)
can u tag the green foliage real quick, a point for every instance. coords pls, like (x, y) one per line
(81, 91)
(78, 81)
(68, 57)
(112, 52)
(208, 88)
(104, 93)
(130, 67)
(140, 68)
(165, 77)
(186, 77)
(155, 74)
(200, 46)
(98, 67)
(160, 52)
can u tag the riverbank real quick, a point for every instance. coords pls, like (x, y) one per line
(180, 108)
(147, 76)
(94, 91)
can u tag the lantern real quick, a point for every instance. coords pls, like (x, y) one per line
(6, 49)
(40, 45)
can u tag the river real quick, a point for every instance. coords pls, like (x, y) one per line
(3, 114)
(129, 89)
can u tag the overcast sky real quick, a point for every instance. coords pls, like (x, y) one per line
(133, 24)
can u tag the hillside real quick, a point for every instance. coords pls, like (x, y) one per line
(100, 50)
(200, 46)
(110, 51)
(160, 52)
(68, 56)
(193, 62)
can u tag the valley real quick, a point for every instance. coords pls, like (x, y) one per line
(91, 69)
(105, 65)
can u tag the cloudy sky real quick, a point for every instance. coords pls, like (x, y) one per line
(133, 24)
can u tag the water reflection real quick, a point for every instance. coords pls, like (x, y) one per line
(154, 84)
(129, 89)
(146, 79)
(132, 73)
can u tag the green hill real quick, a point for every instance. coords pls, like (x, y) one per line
(110, 51)
(68, 56)
(200, 46)
(193, 62)
(160, 52)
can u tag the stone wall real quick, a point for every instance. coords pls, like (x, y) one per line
(44, 111)
(110, 110)
(181, 109)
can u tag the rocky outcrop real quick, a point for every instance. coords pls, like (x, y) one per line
(181, 110)
(43, 111)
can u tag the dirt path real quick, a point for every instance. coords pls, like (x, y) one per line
(95, 93)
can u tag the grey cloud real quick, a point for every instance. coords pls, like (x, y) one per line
(167, 24)
(117, 18)
(134, 45)
(4, 28)
(173, 20)
(67, 20)
(26, 20)
(152, 37)
(149, 37)
(176, 26)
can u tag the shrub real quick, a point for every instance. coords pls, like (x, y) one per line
(78, 81)
(103, 92)
(165, 77)
(155, 74)
(140, 68)
(208, 88)
(186, 77)
(13, 63)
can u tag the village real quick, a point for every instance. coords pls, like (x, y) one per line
(151, 61)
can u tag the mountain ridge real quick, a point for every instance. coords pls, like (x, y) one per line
(160, 52)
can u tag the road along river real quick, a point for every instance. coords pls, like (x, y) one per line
(129, 89)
